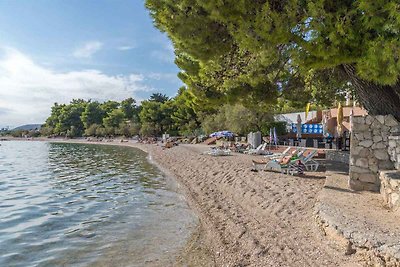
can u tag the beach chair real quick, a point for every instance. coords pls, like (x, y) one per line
(292, 167)
(278, 155)
(260, 150)
(218, 152)
(311, 164)
(251, 150)
(274, 162)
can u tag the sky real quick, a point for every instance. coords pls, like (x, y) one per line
(56, 50)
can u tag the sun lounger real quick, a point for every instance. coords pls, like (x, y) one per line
(218, 152)
(292, 166)
(278, 155)
(273, 162)
(260, 150)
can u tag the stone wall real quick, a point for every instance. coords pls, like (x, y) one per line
(336, 155)
(394, 150)
(390, 188)
(369, 150)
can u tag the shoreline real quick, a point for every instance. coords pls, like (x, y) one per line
(245, 218)
(195, 252)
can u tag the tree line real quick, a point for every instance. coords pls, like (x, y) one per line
(152, 117)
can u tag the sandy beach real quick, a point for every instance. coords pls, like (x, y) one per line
(251, 218)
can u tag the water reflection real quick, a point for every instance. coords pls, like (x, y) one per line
(72, 203)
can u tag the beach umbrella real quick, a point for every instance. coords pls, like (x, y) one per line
(298, 126)
(222, 134)
(339, 120)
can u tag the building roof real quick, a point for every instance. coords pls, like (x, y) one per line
(292, 117)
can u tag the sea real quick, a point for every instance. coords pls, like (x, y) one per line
(64, 204)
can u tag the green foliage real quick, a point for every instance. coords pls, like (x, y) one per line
(92, 130)
(93, 114)
(156, 117)
(238, 119)
(130, 110)
(91, 118)
(101, 131)
(158, 97)
(69, 119)
(278, 125)
(109, 106)
(282, 53)
(46, 130)
(184, 115)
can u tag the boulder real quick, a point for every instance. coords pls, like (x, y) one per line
(391, 121)
(362, 162)
(368, 178)
(366, 143)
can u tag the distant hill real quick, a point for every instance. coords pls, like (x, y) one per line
(28, 127)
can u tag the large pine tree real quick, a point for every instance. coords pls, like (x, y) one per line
(239, 47)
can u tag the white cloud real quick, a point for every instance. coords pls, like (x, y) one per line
(167, 77)
(125, 47)
(88, 49)
(28, 90)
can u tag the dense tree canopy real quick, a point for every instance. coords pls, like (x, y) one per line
(273, 50)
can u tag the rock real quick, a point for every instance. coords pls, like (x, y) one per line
(392, 143)
(371, 187)
(394, 183)
(356, 150)
(391, 121)
(359, 120)
(395, 129)
(359, 136)
(381, 119)
(381, 154)
(385, 165)
(377, 138)
(364, 153)
(358, 170)
(369, 120)
(385, 129)
(355, 185)
(366, 143)
(360, 127)
(362, 162)
(374, 168)
(367, 136)
(394, 197)
(376, 125)
(368, 178)
(379, 145)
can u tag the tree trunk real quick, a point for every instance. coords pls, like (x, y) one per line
(376, 99)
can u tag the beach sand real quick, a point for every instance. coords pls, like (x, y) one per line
(248, 218)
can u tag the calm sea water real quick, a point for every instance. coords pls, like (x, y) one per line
(80, 205)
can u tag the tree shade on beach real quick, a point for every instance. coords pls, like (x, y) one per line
(266, 51)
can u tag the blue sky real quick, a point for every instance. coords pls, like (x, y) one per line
(56, 50)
